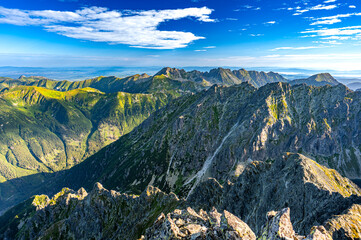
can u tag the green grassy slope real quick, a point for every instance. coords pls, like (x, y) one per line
(43, 130)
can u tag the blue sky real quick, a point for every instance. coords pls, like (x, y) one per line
(239, 33)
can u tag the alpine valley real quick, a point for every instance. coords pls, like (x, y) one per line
(223, 154)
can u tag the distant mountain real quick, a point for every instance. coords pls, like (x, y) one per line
(317, 80)
(177, 81)
(354, 85)
(223, 76)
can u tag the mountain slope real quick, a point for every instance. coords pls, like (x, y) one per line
(322, 204)
(313, 192)
(43, 130)
(180, 145)
(214, 134)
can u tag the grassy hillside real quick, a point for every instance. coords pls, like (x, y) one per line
(43, 130)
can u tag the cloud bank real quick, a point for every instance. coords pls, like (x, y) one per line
(135, 28)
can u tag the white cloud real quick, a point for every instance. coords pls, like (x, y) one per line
(352, 6)
(328, 21)
(294, 48)
(340, 34)
(323, 7)
(300, 11)
(210, 47)
(333, 19)
(270, 22)
(200, 50)
(336, 32)
(247, 7)
(329, 1)
(134, 28)
(256, 34)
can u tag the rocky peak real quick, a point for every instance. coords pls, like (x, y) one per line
(144, 75)
(188, 224)
(319, 233)
(323, 77)
(173, 73)
(278, 226)
(317, 80)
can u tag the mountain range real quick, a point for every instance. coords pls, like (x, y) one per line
(208, 137)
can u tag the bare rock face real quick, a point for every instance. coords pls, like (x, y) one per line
(278, 226)
(346, 225)
(101, 214)
(188, 224)
(319, 233)
(313, 193)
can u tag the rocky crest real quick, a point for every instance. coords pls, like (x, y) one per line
(101, 214)
(222, 76)
(188, 224)
(314, 201)
(312, 192)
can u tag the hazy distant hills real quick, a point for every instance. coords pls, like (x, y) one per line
(354, 85)
(177, 81)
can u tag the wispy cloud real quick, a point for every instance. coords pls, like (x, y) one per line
(332, 19)
(247, 7)
(352, 6)
(335, 35)
(353, 32)
(330, 1)
(270, 23)
(299, 10)
(294, 48)
(209, 47)
(134, 28)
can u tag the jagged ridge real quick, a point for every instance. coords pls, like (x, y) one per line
(315, 196)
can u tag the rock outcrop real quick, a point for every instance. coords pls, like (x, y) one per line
(278, 226)
(101, 214)
(313, 192)
(188, 224)
(346, 225)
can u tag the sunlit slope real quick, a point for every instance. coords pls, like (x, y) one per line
(43, 130)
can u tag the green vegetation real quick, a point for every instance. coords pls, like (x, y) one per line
(43, 130)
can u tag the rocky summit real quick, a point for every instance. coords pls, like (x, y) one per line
(291, 198)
